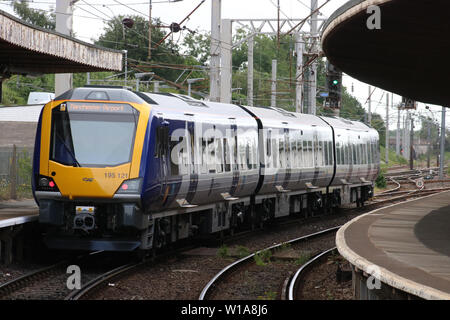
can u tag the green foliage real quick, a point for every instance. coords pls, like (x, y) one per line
(268, 295)
(242, 251)
(262, 258)
(35, 17)
(223, 252)
(303, 258)
(380, 182)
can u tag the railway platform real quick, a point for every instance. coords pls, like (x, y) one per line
(14, 215)
(401, 251)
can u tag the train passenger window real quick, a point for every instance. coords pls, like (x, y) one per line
(310, 154)
(360, 153)
(192, 149)
(203, 164)
(294, 152)
(354, 154)
(330, 153)
(219, 155)
(345, 154)
(175, 155)
(211, 156)
(287, 145)
(275, 153)
(365, 153)
(226, 155)
(281, 153)
(235, 153)
(268, 144)
(320, 154)
(247, 157)
(327, 160)
(300, 156)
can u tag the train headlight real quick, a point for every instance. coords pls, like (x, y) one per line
(130, 186)
(46, 184)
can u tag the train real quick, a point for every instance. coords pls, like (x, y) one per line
(120, 170)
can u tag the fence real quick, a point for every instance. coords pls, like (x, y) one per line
(15, 172)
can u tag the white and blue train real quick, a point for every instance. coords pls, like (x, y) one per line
(121, 170)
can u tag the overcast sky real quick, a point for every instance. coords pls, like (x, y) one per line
(90, 16)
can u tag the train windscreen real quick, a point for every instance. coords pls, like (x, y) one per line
(86, 134)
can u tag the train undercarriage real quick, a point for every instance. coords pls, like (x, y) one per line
(124, 227)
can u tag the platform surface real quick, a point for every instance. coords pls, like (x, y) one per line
(407, 245)
(17, 212)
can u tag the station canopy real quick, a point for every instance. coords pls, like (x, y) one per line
(27, 49)
(409, 55)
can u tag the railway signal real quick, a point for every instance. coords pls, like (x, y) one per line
(334, 87)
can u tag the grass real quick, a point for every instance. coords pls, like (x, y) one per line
(22, 192)
(394, 159)
(263, 258)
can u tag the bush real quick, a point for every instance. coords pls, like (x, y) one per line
(381, 181)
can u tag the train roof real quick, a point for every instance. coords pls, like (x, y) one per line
(179, 103)
(341, 123)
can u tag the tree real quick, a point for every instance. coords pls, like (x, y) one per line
(135, 41)
(33, 16)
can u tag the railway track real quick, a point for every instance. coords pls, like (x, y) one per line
(49, 282)
(225, 272)
(292, 285)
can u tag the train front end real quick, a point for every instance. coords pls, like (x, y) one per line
(86, 170)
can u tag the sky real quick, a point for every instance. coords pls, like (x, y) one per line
(90, 16)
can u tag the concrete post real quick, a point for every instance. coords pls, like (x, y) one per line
(274, 84)
(250, 71)
(225, 61)
(214, 89)
(299, 48)
(64, 12)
